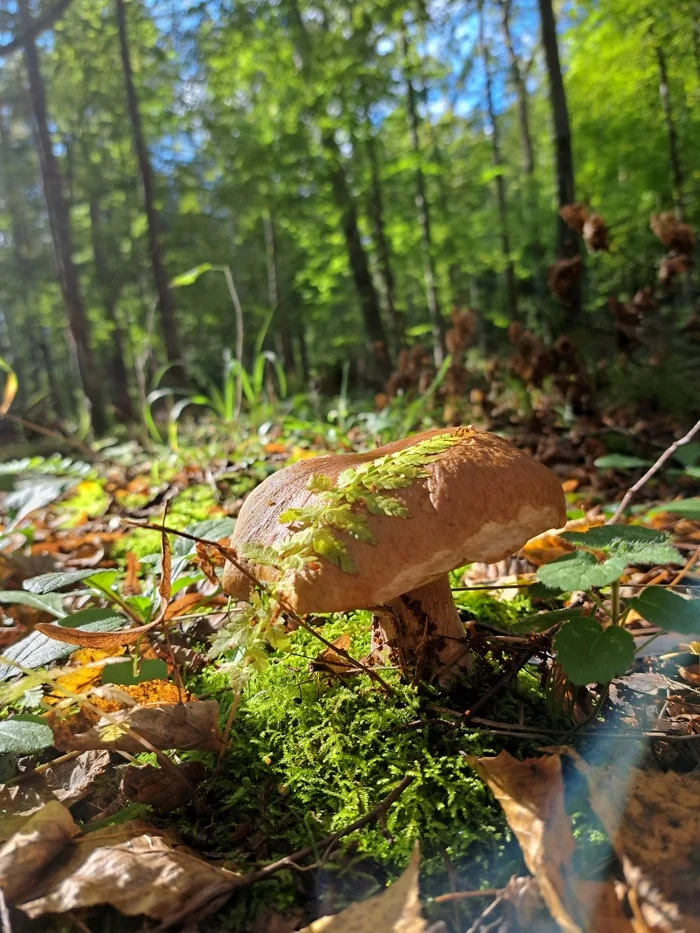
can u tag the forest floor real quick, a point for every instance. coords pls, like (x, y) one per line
(144, 788)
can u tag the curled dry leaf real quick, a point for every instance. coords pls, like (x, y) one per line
(563, 278)
(137, 871)
(396, 910)
(673, 233)
(70, 781)
(531, 794)
(596, 234)
(28, 851)
(19, 802)
(672, 266)
(653, 820)
(574, 216)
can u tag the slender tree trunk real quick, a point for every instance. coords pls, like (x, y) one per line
(304, 355)
(118, 371)
(673, 152)
(359, 262)
(424, 221)
(61, 232)
(285, 347)
(567, 244)
(501, 194)
(382, 241)
(168, 315)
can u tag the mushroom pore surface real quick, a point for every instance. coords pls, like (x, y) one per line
(479, 500)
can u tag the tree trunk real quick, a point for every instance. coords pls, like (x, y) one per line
(61, 232)
(168, 316)
(283, 337)
(567, 244)
(423, 210)
(673, 153)
(528, 150)
(382, 242)
(501, 195)
(118, 371)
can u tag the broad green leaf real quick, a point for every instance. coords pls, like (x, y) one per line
(38, 650)
(687, 508)
(590, 654)
(580, 571)
(51, 582)
(638, 545)
(212, 529)
(123, 672)
(51, 603)
(688, 454)
(668, 610)
(620, 462)
(191, 276)
(693, 471)
(24, 736)
(541, 621)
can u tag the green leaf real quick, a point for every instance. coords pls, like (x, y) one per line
(638, 545)
(24, 735)
(688, 454)
(51, 582)
(620, 462)
(212, 529)
(590, 654)
(693, 471)
(191, 276)
(38, 650)
(123, 672)
(687, 508)
(51, 603)
(580, 571)
(387, 505)
(668, 610)
(541, 621)
(319, 482)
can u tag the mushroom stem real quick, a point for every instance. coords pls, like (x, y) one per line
(421, 632)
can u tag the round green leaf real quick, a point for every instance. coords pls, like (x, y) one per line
(580, 571)
(590, 654)
(668, 610)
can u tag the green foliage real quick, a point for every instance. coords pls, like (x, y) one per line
(668, 610)
(590, 654)
(24, 735)
(52, 582)
(127, 672)
(580, 570)
(687, 508)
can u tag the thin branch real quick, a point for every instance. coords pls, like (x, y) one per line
(629, 495)
(289, 861)
(45, 21)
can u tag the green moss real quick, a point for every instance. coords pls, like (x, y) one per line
(310, 755)
(484, 608)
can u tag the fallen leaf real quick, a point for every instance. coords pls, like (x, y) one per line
(28, 851)
(184, 726)
(653, 820)
(18, 802)
(70, 781)
(329, 661)
(396, 910)
(531, 794)
(161, 788)
(87, 673)
(137, 871)
(132, 584)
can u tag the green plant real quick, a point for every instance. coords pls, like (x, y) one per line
(594, 648)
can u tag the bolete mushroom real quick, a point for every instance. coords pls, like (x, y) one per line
(381, 530)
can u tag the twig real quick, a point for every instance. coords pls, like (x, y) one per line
(629, 495)
(463, 895)
(689, 566)
(231, 556)
(289, 861)
(28, 775)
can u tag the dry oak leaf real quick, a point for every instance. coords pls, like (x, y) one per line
(531, 794)
(653, 820)
(574, 216)
(19, 802)
(137, 871)
(29, 851)
(673, 233)
(395, 910)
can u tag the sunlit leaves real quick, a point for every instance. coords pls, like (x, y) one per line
(580, 571)
(590, 654)
(668, 610)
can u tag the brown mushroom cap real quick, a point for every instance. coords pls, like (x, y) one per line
(481, 500)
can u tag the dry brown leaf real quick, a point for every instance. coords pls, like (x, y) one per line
(396, 910)
(574, 216)
(164, 789)
(563, 278)
(70, 781)
(137, 871)
(329, 661)
(132, 584)
(531, 794)
(653, 820)
(28, 851)
(191, 725)
(595, 234)
(19, 802)
(673, 233)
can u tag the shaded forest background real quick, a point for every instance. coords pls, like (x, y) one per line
(365, 187)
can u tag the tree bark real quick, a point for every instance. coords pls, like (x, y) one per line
(61, 232)
(501, 194)
(567, 244)
(673, 152)
(359, 262)
(285, 347)
(424, 220)
(166, 302)
(118, 371)
(382, 241)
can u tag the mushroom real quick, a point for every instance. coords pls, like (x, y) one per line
(473, 497)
